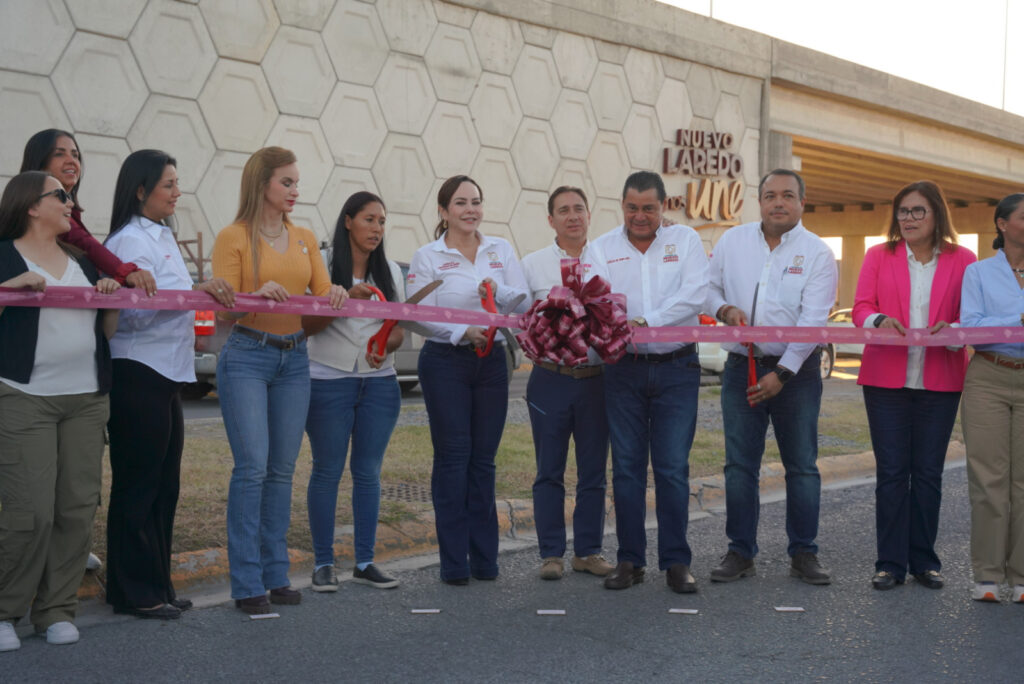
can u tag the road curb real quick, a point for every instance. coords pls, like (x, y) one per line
(515, 519)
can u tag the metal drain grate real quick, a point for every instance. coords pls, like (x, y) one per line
(403, 491)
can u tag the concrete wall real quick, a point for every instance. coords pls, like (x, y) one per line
(391, 96)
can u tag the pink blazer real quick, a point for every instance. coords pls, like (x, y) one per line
(884, 287)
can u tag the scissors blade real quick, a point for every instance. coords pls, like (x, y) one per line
(418, 328)
(516, 302)
(423, 292)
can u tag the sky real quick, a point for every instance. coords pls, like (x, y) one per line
(974, 49)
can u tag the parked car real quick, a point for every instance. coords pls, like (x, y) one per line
(843, 318)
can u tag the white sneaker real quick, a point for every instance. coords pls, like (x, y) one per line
(9, 640)
(1018, 593)
(985, 591)
(94, 563)
(61, 633)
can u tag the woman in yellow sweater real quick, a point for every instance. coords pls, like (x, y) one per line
(263, 373)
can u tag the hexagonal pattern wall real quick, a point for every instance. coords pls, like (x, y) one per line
(390, 96)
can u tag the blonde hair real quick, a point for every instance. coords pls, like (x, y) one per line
(255, 178)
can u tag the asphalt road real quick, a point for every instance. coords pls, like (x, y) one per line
(490, 631)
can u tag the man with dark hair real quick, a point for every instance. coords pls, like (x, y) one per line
(663, 272)
(772, 272)
(567, 401)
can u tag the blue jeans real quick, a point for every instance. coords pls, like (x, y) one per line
(562, 406)
(910, 432)
(264, 394)
(467, 399)
(652, 411)
(793, 413)
(363, 411)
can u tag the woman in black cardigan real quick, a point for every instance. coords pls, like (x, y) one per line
(54, 379)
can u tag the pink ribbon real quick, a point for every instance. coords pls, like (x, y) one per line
(575, 317)
(608, 314)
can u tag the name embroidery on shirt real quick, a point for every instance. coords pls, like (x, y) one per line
(617, 260)
(797, 267)
(495, 262)
(447, 266)
(670, 254)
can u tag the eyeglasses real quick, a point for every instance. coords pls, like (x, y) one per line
(59, 193)
(916, 213)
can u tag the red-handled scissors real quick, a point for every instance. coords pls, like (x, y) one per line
(380, 339)
(488, 303)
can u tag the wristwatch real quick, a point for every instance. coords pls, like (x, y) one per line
(783, 374)
(640, 321)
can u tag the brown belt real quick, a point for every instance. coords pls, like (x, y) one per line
(1005, 362)
(579, 372)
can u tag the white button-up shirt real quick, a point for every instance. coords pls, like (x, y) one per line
(543, 270)
(666, 285)
(795, 284)
(495, 259)
(162, 340)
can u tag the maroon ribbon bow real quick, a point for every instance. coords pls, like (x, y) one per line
(576, 316)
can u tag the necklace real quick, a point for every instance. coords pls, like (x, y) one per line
(1019, 272)
(272, 238)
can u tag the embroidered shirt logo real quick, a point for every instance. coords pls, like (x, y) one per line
(798, 265)
(448, 265)
(493, 258)
(670, 254)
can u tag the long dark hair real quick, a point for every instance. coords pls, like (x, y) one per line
(21, 194)
(39, 151)
(377, 268)
(1006, 206)
(444, 198)
(944, 236)
(141, 169)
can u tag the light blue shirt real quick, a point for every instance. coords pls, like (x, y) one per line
(992, 297)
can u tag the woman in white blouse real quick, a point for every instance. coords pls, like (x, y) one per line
(464, 388)
(54, 379)
(354, 396)
(153, 357)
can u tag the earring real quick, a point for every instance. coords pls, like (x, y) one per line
(444, 224)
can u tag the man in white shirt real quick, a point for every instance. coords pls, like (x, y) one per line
(566, 402)
(772, 272)
(652, 390)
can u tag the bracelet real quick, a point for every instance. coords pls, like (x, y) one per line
(881, 319)
(724, 310)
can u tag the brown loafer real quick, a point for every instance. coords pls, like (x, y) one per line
(624, 576)
(285, 596)
(254, 605)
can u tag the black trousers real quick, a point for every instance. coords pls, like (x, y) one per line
(147, 435)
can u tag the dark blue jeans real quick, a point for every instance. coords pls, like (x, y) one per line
(652, 413)
(362, 411)
(793, 413)
(562, 406)
(467, 400)
(910, 432)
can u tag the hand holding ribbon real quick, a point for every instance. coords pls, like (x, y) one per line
(487, 301)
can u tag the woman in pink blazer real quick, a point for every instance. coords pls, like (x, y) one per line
(911, 394)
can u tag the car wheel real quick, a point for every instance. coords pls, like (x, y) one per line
(828, 359)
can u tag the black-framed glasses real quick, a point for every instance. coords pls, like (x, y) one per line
(916, 213)
(59, 193)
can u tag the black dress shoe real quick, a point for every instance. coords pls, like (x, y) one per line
(181, 604)
(929, 578)
(457, 581)
(885, 580)
(680, 580)
(163, 612)
(285, 596)
(624, 576)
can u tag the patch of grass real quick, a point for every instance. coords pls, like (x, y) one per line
(207, 463)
